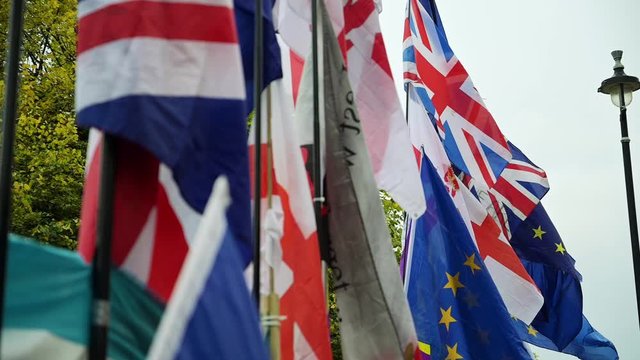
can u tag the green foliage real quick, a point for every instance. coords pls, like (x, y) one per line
(49, 149)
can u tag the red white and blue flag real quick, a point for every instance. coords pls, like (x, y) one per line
(166, 78)
(471, 137)
(516, 194)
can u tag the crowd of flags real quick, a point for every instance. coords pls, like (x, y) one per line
(483, 270)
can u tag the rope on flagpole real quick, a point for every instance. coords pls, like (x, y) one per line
(8, 134)
(258, 60)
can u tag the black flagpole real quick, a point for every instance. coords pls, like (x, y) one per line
(318, 198)
(258, 59)
(101, 275)
(8, 135)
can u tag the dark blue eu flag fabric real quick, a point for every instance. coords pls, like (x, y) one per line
(560, 324)
(589, 344)
(245, 24)
(456, 307)
(543, 254)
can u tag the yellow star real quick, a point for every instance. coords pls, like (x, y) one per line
(452, 353)
(453, 283)
(537, 233)
(560, 248)
(424, 347)
(447, 318)
(532, 331)
(471, 263)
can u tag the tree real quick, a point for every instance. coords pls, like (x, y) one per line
(49, 148)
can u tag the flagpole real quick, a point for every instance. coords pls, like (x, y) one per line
(258, 59)
(273, 300)
(101, 275)
(8, 134)
(318, 196)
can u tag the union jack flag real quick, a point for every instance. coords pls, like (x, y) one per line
(471, 137)
(515, 194)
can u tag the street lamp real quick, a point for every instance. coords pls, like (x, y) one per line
(621, 87)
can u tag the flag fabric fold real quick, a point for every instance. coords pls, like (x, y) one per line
(383, 122)
(588, 344)
(376, 322)
(245, 21)
(357, 28)
(166, 78)
(48, 317)
(211, 311)
(543, 253)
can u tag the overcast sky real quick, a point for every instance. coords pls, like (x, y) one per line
(538, 64)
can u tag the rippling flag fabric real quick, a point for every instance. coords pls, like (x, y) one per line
(376, 322)
(211, 314)
(473, 141)
(166, 78)
(589, 344)
(516, 193)
(456, 307)
(518, 291)
(245, 22)
(546, 259)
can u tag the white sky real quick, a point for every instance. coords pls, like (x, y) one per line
(538, 64)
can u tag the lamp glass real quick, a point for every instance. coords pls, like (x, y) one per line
(615, 97)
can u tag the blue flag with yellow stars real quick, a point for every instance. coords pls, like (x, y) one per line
(560, 324)
(543, 254)
(456, 307)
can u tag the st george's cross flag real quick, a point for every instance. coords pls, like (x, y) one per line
(288, 238)
(471, 137)
(358, 33)
(166, 78)
(514, 284)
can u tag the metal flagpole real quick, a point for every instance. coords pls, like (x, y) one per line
(101, 275)
(316, 172)
(8, 135)
(273, 300)
(258, 59)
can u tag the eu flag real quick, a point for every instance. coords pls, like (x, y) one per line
(456, 307)
(559, 325)
(539, 246)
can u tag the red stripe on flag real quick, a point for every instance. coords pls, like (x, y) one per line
(489, 244)
(163, 20)
(527, 168)
(379, 55)
(419, 24)
(135, 191)
(478, 158)
(169, 251)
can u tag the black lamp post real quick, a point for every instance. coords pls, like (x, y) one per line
(621, 87)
